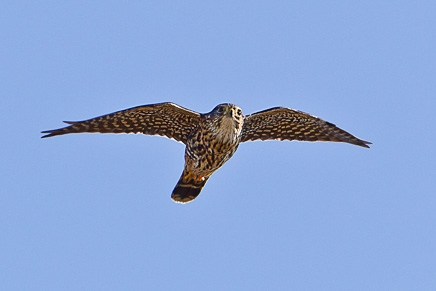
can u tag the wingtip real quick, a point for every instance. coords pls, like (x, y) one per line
(46, 135)
(366, 144)
(53, 132)
(59, 131)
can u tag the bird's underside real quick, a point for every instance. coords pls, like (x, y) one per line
(212, 138)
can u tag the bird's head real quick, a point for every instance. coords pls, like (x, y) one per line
(227, 110)
(227, 119)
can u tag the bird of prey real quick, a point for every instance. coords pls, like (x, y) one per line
(212, 138)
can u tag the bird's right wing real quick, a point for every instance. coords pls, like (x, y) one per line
(165, 119)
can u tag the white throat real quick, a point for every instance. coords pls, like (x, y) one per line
(229, 132)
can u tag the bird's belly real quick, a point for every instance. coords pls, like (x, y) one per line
(203, 161)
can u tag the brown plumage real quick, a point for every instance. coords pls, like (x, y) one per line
(166, 119)
(282, 123)
(211, 139)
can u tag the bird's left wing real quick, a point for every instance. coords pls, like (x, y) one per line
(282, 123)
(165, 119)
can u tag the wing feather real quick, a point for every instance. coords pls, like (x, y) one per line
(282, 123)
(165, 119)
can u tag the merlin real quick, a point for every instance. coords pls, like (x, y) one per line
(212, 138)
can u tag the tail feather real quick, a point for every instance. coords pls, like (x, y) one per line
(188, 188)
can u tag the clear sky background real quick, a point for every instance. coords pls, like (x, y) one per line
(93, 212)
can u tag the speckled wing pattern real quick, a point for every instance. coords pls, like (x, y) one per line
(282, 123)
(165, 119)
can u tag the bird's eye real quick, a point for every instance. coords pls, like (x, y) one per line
(220, 109)
(239, 112)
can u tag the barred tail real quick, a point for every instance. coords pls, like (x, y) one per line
(188, 187)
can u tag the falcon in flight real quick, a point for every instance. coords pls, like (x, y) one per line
(212, 138)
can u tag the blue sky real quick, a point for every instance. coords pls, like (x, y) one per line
(93, 212)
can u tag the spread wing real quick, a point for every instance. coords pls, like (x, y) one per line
(282, 123)
(166, 119)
